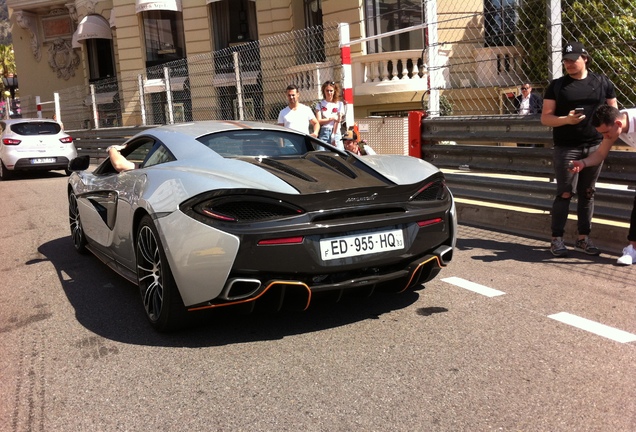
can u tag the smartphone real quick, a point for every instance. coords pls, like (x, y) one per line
(579, 111)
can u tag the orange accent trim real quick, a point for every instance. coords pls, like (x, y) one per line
(258, 296)
(439, 264)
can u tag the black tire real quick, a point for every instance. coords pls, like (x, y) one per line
(5, 174)
(159, 293)
(77, 231)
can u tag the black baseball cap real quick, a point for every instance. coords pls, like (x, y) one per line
(573, 50)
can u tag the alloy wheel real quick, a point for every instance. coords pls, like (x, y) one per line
(149, 272)
(77, 232)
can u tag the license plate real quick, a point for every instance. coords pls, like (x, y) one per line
(361, 244)
(43, 160)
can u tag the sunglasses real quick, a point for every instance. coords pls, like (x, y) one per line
(330, 83)
(525, 88)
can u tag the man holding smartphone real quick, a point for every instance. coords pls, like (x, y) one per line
(567, 107)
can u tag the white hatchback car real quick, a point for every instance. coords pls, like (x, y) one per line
(34, 144)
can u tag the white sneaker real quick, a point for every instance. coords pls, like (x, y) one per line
(629, 256)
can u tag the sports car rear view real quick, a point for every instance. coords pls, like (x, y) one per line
(222, 213)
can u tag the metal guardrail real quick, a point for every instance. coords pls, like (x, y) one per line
(487, 129)
(609, 204)
(534, 163)
(618, 168)
(94, 142)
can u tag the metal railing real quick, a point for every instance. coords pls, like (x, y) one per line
(499, 164)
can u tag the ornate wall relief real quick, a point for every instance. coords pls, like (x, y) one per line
(72, 11)
(83, 8)
(63, 59)
(28, 22)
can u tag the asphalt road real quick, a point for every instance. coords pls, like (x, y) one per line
(482, 347)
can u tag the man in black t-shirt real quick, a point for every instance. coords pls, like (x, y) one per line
(575, 138)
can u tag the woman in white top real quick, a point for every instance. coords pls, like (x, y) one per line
(329, 113)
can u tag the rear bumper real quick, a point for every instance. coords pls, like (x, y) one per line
(25, 164)
(297, 294)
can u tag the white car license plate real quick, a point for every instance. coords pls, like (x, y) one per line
(42, 160)
(361, 244)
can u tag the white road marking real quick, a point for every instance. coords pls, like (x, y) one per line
(472, 286)
(594, 327)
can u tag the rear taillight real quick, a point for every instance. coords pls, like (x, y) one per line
(66, 140)
(9, 141)
(281, 241)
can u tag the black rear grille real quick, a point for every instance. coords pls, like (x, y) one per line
(251, 211)
(436, 190)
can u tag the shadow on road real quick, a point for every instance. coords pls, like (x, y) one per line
(495, 250)
(35, 175)
(109, 306)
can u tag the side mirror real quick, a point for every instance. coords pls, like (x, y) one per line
(80, 163)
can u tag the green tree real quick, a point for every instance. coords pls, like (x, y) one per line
(607, 29)
(533, 36)
(7, 62)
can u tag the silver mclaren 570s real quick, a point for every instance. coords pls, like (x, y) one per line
(222, 213)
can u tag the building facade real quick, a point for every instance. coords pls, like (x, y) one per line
(107, 58)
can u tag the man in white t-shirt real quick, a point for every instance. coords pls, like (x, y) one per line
(297, 116)
(614, 124)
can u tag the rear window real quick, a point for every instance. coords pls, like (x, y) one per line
(36, 128)
(255, 143)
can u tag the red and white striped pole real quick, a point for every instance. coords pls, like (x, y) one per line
(347, 80)
(38, 105)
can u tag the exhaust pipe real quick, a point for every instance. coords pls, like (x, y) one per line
(239, 288)
(445, 254)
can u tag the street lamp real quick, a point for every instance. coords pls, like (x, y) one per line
(10, 82)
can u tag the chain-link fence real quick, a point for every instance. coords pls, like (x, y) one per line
(244, 82)
(515, 42)
(487, 57)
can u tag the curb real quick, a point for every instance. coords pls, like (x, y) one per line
(609, 236)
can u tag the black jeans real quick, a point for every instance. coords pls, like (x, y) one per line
(631, 234)
(581, 184)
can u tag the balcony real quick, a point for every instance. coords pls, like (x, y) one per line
(393, 76)
(403, 76)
